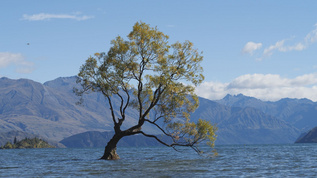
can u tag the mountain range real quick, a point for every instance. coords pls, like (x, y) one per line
(99, 139)
(50, 111)
(308, 137)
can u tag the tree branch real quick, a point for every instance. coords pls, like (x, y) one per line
(111, 108)
(123, 108)
(173, 145)
(159, 128)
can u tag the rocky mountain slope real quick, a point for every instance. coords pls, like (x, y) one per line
(300, 113)
(245, 125)
(309, 137)
(31, 107)
(100, 139)
(50, 110)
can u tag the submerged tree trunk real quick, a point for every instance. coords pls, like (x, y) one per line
(111, 148)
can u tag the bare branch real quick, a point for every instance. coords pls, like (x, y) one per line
(173, 145)
(159, 128)
(111, 108)
(122, 110)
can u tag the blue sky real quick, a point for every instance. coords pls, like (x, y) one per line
(266, 49)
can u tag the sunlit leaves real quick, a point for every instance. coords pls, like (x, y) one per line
(156, 72)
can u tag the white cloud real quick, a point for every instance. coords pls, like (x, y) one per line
(212, 90)
(282, 48)
(256, 81)
(311, 37)
(269, 87)
(250, 47)
(45, 16)
(16, 59)
(280, 45)
(297, 47)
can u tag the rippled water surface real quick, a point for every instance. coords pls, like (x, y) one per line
(294, 160)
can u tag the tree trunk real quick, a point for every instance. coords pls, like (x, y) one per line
(111, 148)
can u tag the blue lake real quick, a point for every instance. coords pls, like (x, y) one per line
(293, 160)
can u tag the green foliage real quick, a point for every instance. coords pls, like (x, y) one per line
(27, 143)
(8, 145)
(162, 77)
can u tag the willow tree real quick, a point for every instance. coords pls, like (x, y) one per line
(155, 79)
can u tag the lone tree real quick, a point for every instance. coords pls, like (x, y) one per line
(149, 75)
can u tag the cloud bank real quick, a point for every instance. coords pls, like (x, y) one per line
(45, 16)
(281, 45)
(250, 47)
(17, 60)
(269, 87)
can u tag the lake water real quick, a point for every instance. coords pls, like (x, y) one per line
(294, 160)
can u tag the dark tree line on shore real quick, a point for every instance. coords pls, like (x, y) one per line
(27, 143)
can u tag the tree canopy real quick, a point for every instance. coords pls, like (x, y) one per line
(155, 78)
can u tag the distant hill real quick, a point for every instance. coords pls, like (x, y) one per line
(27, 143)
(19, 135)
(49, 110)
(100, 139)
(309, 137)
(245, 125)
(300, 113)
